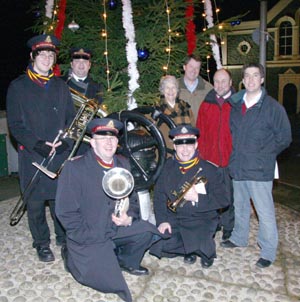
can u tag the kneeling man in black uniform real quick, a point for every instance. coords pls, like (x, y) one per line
(187, 195)
(100, 244)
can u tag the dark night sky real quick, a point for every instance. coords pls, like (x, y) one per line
(16, 19)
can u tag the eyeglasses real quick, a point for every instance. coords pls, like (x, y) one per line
(44, 55)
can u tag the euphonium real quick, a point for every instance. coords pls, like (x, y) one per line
(118, 183)
(180, 201)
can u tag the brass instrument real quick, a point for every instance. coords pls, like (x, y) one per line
(118, 183)
(19, 209)
(88, 109)
(180, 201)
(80, 99)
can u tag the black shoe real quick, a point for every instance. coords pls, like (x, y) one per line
(206, 263)
(226, 235)
(262, 263)
(228, 244)
(190, 259)
(45, 254)
(64, 256)
(135, 271)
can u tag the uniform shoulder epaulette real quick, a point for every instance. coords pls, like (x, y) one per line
(210, 162)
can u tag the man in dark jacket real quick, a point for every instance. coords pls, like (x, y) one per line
(199, 185)
(78, 79)
(78, 76)
(260, 131)
(100, 243)
(39, 105)
(215, 143)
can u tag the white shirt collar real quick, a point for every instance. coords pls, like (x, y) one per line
(77, 78)
(250, 103)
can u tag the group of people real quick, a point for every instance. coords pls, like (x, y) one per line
(225, 147)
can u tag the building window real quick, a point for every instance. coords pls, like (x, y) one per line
(286, 38)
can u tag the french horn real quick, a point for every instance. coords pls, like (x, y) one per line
(118, 183)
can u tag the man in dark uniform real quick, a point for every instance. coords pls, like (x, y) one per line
(192, 224)
(39, 105)
(78, 76)
(99, 243)
(78, 79)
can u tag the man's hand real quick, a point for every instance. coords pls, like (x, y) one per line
(165, 226)
(191, 195)
(123, 220)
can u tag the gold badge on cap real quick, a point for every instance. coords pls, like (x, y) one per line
(81, 50)
(48, 39)
(110, 124)
(184, 130)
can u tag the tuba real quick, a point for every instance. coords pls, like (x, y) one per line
(118, 183)
(180, 201)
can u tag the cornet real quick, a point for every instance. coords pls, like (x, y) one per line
(118, 183)
(180, 200)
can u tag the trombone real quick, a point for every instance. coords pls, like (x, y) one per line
(87, 111)
(19, 209)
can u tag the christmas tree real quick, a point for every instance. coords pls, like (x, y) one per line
(134, 43)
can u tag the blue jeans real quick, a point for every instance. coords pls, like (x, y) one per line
(261, 194)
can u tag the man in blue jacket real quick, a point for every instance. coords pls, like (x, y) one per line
(260, 131)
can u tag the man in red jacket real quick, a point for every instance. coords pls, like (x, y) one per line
(215, 142)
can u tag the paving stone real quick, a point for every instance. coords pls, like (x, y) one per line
(232, 278)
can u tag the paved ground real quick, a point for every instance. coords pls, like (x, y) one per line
(233, 277)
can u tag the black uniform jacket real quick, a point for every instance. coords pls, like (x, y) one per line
(88, 87)
(85, 212)
(35, 113)
(196, 224)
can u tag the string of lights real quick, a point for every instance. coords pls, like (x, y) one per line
(168, 49)
(51, 9)
(105, 36)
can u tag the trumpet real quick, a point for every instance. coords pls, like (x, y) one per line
(118, 183)
(180, 201)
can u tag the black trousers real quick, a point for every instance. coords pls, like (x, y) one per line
(40, 232)
(130, 250)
